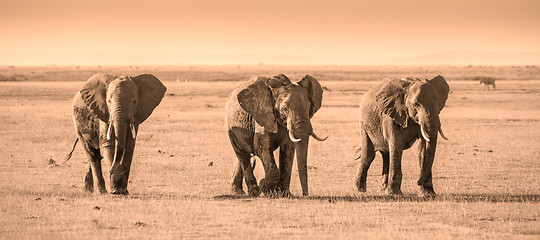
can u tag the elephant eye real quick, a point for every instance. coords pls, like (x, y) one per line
(285, 110)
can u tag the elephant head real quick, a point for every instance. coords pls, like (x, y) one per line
(277, 101)
(419, 101)
(123, 103)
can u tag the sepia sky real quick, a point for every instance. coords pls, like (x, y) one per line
(247, 32)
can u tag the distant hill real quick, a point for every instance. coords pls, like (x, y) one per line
(465, 57)
(460, 57)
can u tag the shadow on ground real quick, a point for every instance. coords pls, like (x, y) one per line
(495, 198)
(533, 198)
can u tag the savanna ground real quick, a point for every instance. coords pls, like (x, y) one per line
(487, 175)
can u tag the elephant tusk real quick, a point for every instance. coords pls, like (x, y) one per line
(424, 134)
(109, 130)
(442, 134)
(253, 159)
(358, 154)
(317, 137)
(133, 132)
(291, 136)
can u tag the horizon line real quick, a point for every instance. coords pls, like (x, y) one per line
(255, 65)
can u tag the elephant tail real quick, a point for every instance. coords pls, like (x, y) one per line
(68, 156)
(358, 154)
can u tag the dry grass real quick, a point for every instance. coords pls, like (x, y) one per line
(240, 73)
(487, 174)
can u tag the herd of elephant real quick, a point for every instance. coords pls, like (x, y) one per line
(263, 115)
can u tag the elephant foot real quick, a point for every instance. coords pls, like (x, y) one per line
(283, 191)
(88, 184)
(101, 188)
(427, 192)
(235, 190)
(277, 193)
(393, 192)
(267, 187)
(120, 192)
(254, 191)
(360, 185)
(88, 189)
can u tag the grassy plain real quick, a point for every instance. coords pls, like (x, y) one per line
(487, 175)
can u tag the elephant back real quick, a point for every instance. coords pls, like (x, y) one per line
(86, 122)
(235, 116)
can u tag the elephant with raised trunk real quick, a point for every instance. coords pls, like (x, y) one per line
(269, 113)
(393, 115)
(107, 112)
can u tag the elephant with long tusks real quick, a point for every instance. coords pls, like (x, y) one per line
(266, 114)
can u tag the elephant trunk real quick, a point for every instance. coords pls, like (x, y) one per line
(119, 123)
(299, 130)
(301, 158)
(430, 126)
(426, 158)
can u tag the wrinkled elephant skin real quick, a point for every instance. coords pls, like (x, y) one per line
(393, 115)
(107, 113)
(266, 114)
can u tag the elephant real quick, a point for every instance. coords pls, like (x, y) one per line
(269, 113)
(393, 115)
(107, 112)
(487, 81)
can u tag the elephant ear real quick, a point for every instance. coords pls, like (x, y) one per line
(278, 81)
(256, 99)
(314, 91)
(391, 99)
(441, 88)
(151, 91)
(94, 95)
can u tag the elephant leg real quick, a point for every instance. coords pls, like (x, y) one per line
(395, 175)
(385, 170)
(97, 171)
(94, 173)
(237, 179)
(366, 158)
(120, 180)
(270, 181)
(243, 166)
(251, 181)
(89, 180)
(286, 158)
